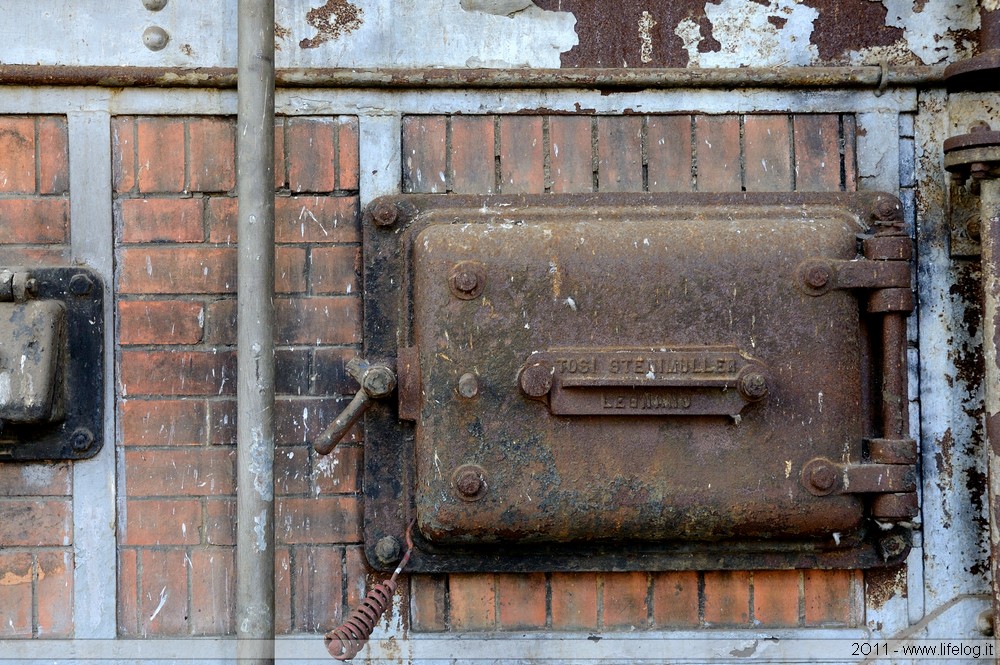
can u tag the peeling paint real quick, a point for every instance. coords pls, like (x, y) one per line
(932, 31)
(747, 36)
(335, 18)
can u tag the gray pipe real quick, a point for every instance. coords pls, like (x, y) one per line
(255, 307)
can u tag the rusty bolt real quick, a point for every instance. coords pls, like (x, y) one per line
(378, 381)
(887, 209)
(753, 385)
(81, 440)
(823, 477)
(467, 280)
(388, 550)
(974, 229)
(979, 170)
(81, 285)
(468, 385)
(385, 213)
(470, 481)
(817, 276)
(536, 380)
(892, 545)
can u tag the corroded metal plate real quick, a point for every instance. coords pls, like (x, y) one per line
(594, 374)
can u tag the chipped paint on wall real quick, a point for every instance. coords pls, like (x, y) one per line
(309, 33)
(770, 33)
(934, 30)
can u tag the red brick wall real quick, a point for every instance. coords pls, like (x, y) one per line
(175, 229)
(538, 154)
(36, 515)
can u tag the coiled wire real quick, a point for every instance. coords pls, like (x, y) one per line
(346, 640)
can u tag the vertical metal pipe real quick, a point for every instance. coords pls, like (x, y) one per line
(989, 206)
(255, 307)
(894, 377)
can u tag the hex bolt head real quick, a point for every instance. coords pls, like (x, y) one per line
(81, 440)
(892, 545)
(753, 386)
(536, 380)
(378, 381)
(388, 550)
(81, 285)
(470, 482)
(155, 38)
(468, 385)
(385, 214)
(817, 276)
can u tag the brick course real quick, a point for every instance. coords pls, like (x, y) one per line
(175, 216)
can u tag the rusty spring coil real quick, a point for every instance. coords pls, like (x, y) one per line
(346, 640)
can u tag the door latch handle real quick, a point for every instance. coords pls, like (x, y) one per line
(376, 381)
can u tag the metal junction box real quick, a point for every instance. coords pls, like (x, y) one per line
(613, 382)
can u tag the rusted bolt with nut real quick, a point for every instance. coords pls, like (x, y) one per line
(467, 280)
(892, 545)
(468, 385)
(536, 380)
(888, 209)
(388, 550)
(470, 482)
(817, 276)
(820, 477)
(378, 381)
(81, 285)
(81, 440)
(753, 385)
(385, 213)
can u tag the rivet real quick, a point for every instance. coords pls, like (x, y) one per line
(155, 38)
(154, 5)
(468, 385)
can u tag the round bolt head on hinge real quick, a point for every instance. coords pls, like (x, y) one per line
(155, 38)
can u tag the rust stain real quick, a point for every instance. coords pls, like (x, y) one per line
(882, 584)
(332, 20)
(281, 33)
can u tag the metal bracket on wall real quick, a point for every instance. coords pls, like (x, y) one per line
(51, 364)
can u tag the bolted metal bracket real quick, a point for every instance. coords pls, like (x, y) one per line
(71, 425)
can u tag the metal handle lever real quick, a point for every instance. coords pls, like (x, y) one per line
(376, 381)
